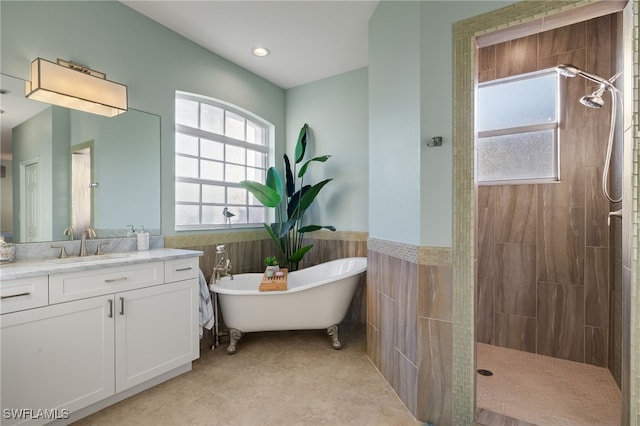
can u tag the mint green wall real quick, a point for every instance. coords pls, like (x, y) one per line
(134, 50)
(336, 110)
(436, 164)
(410, 101)
(394, 122)
(60, 177)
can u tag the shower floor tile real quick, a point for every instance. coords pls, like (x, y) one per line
(544, 390)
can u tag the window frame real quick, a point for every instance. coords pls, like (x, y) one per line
(555, 125)
(267, 150)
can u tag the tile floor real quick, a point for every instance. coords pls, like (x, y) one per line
(275, 378)
(540, 390)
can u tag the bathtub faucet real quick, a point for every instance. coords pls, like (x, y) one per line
(223, 264)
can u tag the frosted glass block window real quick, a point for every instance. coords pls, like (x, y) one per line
(517, 124)
(217, 146)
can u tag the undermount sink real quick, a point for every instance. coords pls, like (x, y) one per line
(90, 258)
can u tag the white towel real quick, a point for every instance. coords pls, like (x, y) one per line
(206, 308)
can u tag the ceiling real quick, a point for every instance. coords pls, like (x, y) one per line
(309, 39)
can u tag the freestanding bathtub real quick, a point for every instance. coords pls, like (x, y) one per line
(317, 297)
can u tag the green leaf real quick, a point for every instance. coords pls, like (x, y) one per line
(301, 145)
(291, 185)
(299, 254)
(281, 229)
(274, 181)
(310, 195)
(267, 196)
(292, 213)
(303, 169)
(274, 237)
(311, 228)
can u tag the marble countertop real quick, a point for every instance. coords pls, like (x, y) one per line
(24, 269)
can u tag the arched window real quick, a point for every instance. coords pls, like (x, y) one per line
(217, 146)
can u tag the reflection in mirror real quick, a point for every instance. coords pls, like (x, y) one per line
(64, 170)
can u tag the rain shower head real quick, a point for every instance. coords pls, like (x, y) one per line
(593, 100)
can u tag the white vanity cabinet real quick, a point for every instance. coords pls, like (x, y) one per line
(57, 357)
(104, 332)
(156, 330)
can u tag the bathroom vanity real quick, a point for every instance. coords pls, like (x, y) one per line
(80, 334)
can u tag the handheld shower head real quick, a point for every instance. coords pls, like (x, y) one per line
(594, 100)
(568, 70)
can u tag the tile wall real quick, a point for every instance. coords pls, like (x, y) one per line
(543, 250)
(409, 324)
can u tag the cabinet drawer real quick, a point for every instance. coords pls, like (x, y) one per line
(23, 293)
(181, 269)
(78, 285)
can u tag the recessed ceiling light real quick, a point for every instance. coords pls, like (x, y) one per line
(260, 51)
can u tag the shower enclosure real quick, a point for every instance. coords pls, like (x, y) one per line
(549, 255)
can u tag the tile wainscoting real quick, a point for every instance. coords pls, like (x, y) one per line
(410, 324)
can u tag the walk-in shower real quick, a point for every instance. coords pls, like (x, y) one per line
(594, 100)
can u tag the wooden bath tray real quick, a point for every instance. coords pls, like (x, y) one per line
(275, 283)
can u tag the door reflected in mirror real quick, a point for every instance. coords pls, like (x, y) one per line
(82, 186)
(66, 169)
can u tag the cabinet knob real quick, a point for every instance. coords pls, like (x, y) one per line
(122, 306)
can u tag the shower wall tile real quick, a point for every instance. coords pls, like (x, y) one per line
(560, 325)
(570, 231)
(487, 59)
(485, 196)
(485, 309)
(485, 275)
(516, 207)
(599, 55)
(595, 346)
(513, 57)
(435, 354)
(515, 332)
(570, 191)
(515, 291)
(596, 287)
(597, 209)
(561, 245)
(435, 292)
(564, 39)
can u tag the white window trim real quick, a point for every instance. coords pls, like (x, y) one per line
(524, 129)
(267, 149)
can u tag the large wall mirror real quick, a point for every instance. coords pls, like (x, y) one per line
(64, 170)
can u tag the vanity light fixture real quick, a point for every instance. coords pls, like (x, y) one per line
(75, 86)
(260, 51)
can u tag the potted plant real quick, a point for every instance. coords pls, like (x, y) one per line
(290, 200)
(272, 266)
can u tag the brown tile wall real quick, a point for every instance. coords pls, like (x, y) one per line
(410, 325)
(543, 250)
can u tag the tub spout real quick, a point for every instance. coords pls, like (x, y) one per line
(223, 264)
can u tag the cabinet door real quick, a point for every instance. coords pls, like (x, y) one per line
(57, 357)
(156, 331)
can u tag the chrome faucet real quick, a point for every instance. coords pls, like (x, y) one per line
(89, 232)
(223, 264)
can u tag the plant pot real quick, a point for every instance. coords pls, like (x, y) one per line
(271, 270)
